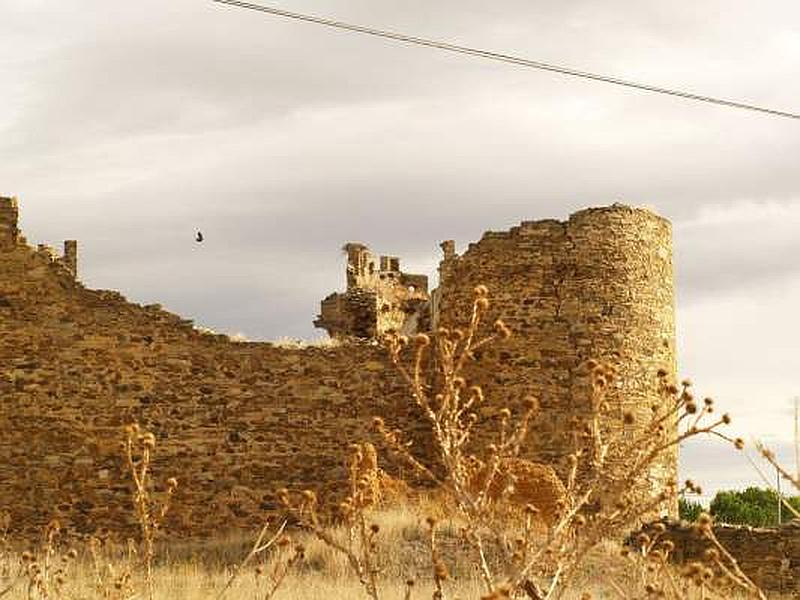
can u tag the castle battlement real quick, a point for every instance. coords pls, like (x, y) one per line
(11, 239)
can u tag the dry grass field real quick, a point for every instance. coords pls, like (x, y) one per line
(201, 571)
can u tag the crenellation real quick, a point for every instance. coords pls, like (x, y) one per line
(448, 249)
(47, 251)
(389, 264)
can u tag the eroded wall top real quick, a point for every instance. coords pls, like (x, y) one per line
(234, 422)
(379, 298)
(11, 238)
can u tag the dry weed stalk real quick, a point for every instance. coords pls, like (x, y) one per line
(440, 572)
(716, 576)
(603, 495)
(260, 547)
(138, 447)
(288, 556)
(112, 582)
(610, 463)
(360, 546)
(769, 456)
(10, 571)
(44, 571)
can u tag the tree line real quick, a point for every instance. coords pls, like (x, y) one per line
(757, 507)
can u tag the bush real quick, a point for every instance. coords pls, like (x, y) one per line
(689, 510)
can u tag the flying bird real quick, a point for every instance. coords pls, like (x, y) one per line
(199, 237)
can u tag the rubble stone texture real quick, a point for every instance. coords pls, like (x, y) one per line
(598, 286)
(235, 422)
(379, 298)
(770, 556)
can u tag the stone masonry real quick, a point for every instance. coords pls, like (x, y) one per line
(238, 421)
(770, 556)
(598, 286)
(379, 298)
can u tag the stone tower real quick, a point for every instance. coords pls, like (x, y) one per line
(379, 298)
(9, 215)
(70, 259)
(598, 286)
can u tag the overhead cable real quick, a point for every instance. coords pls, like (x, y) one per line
(507, 58)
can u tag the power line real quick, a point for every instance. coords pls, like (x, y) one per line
(507, 58)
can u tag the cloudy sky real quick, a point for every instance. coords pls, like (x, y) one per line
(129, 125)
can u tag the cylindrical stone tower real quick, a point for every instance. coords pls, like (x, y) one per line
(598, 286)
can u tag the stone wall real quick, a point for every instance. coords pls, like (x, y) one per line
(238, 421)
(235, 421)
(770, 556)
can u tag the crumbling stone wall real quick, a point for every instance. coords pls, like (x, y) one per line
(238, 421)
(379, 298)
(770, 556)
(235, 421)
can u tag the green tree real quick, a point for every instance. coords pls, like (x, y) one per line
(689, 510)
(753, 506)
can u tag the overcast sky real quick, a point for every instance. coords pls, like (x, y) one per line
(129, 125)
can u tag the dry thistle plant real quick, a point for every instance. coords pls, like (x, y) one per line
(769, 456)
(272, 578)
(112, 581)
(609, 463)
(716, 576)
(44, 571)
(360, 544)
(10, 574)
(269, 578)
(601, 497)
(139, 446)
(440, 572)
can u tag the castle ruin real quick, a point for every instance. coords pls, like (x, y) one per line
(236, 421)
(379, 298)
